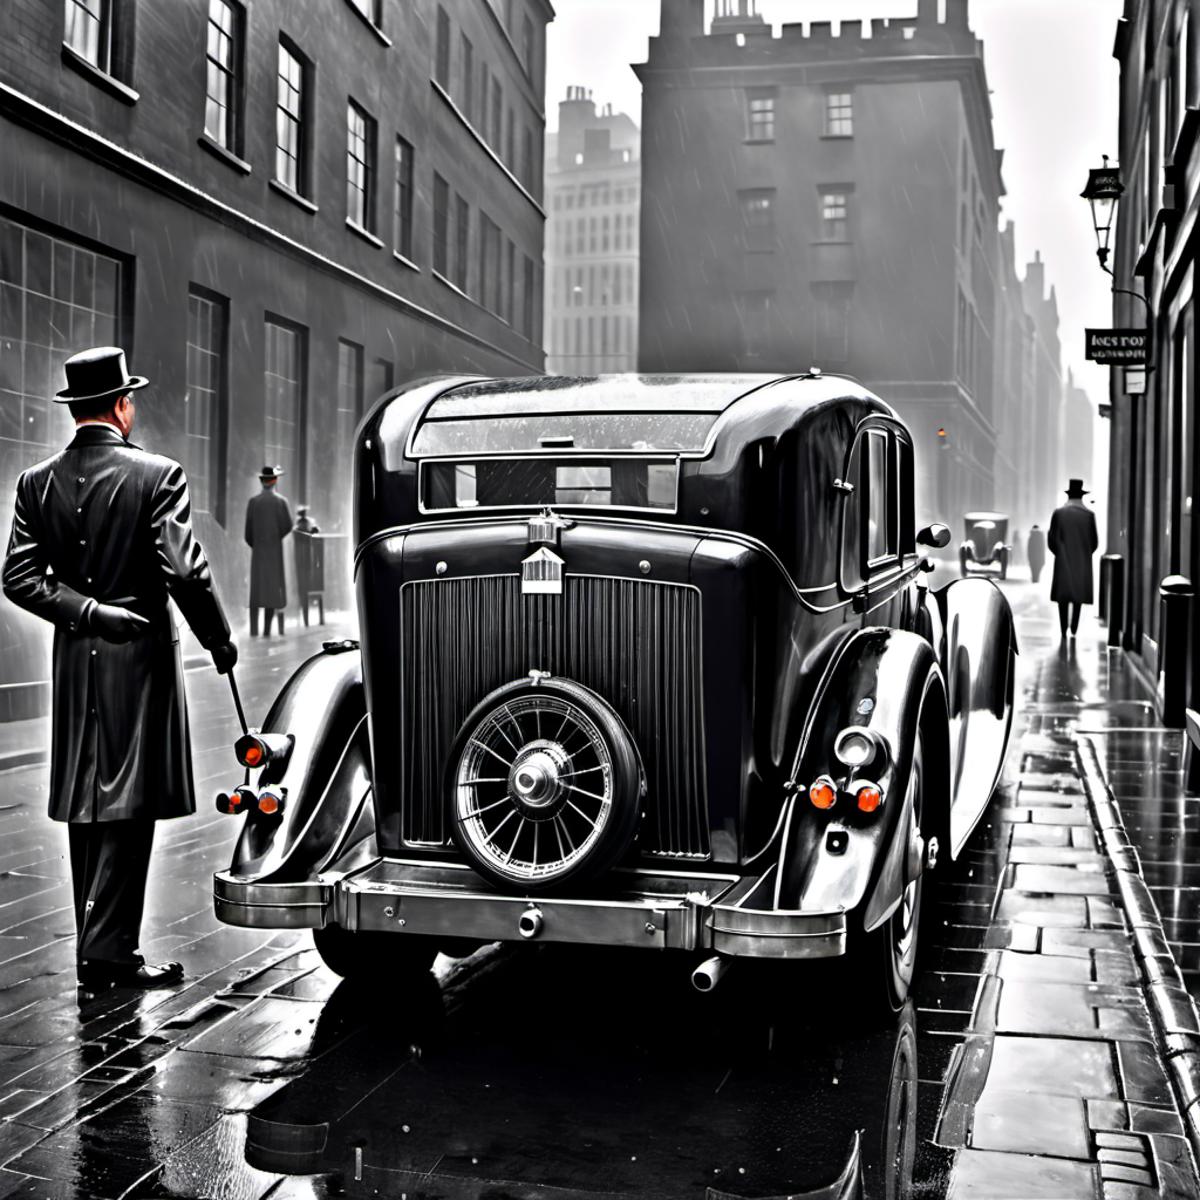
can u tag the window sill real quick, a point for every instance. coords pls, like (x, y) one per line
(837, 137)
(295, 197)
(760, 141)
(448, 282)
(833, 242)
(362, 16)
(365, 234)
(90, 71)
(404, 261)
(226, 155)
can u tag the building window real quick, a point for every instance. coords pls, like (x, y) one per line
(760, 114)
(349, 395)
(527, 46)
(441, 226)
(360, 167)
(441, 62)
(462, 241)
(839, 114)
(831, 323)
(404, 198)
(89, 31)
(835, 214)
(371, 9)
(284, 433)
(758, 218)
(497, 113)
(291, 141)
(223, 104)
(528, 306)
(206, 400)
(55, 299)
(754, 312)
(467, 68)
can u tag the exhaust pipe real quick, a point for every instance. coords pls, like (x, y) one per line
(710, 972)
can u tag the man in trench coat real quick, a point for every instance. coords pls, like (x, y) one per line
(268, 522)
(101, 537)
(1072, 540)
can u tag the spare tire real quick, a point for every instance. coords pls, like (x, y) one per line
(544, 786)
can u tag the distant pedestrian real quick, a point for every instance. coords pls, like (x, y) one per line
(101, 537)
(1072, 541)
(268, 522)
(1035, 551)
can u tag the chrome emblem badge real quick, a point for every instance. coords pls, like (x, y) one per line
(542, 573)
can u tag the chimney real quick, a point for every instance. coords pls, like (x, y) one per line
(682, 19)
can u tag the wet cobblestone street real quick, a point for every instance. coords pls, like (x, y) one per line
(1029, 1064)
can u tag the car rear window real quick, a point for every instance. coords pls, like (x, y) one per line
(533, 433)
(504, 482)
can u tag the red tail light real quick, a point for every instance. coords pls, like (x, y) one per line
(239, 800)
(271, 802)
(823, 792)
(258, 749)
(868, 797)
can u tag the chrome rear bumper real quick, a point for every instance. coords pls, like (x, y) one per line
(659, 910)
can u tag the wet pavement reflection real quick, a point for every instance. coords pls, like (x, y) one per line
(1025, 1064)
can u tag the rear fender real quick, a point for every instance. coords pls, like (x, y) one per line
(976, 644)
(888, 681)
(327, 777)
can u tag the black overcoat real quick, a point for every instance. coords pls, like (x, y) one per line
(1072, 540)
(105, 520)
(268, 522)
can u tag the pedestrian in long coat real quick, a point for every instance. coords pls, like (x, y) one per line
(1072, 541)
(268, 522)
(1035, 551)
(101, 538)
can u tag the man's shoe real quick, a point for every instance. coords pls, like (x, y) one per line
(144, 975)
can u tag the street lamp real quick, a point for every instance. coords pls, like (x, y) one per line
(1103, 191)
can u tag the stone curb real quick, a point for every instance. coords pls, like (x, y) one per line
(1171, 1008)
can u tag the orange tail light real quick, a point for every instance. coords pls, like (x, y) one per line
(868, 797)
(823, 792)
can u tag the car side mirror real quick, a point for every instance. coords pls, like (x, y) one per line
(935, 535)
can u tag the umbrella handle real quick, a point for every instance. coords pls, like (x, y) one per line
(237, 702)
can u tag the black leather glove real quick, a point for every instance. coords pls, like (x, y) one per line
(224, 657)
(114, 623)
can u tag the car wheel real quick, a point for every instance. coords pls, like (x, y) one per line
(373, 955)
(545, 786)
(889, 954)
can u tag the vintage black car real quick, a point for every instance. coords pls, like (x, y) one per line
(645, 661)
(985, 548)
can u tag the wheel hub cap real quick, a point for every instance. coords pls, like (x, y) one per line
(535, 780)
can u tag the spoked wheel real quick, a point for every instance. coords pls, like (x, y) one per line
(545, 786)
(889, 954)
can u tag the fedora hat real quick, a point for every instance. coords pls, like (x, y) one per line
(270, 472)
(96, 373)
(1075, 489)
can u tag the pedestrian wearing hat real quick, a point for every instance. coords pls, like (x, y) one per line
(101, 539)
(268, 522)
(1035, 551)
(1072, 540)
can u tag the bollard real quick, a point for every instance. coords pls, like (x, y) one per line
(1174, 632)
(1112, 595)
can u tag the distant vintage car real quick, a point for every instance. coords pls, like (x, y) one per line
(985, 548)
(645, 661)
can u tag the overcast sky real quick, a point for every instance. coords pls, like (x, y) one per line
(1054, 96)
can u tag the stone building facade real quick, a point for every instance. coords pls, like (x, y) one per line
(279, 210)
(593, 202)
(1152, 463)
(831, 199)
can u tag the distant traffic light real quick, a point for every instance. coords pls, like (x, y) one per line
(942, 439)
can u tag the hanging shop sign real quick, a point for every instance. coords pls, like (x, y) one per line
(1105, 411)
(1118, 346)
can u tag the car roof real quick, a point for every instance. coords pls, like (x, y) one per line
(543, 395)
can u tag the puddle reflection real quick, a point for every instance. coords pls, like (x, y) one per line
(558, 1070)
